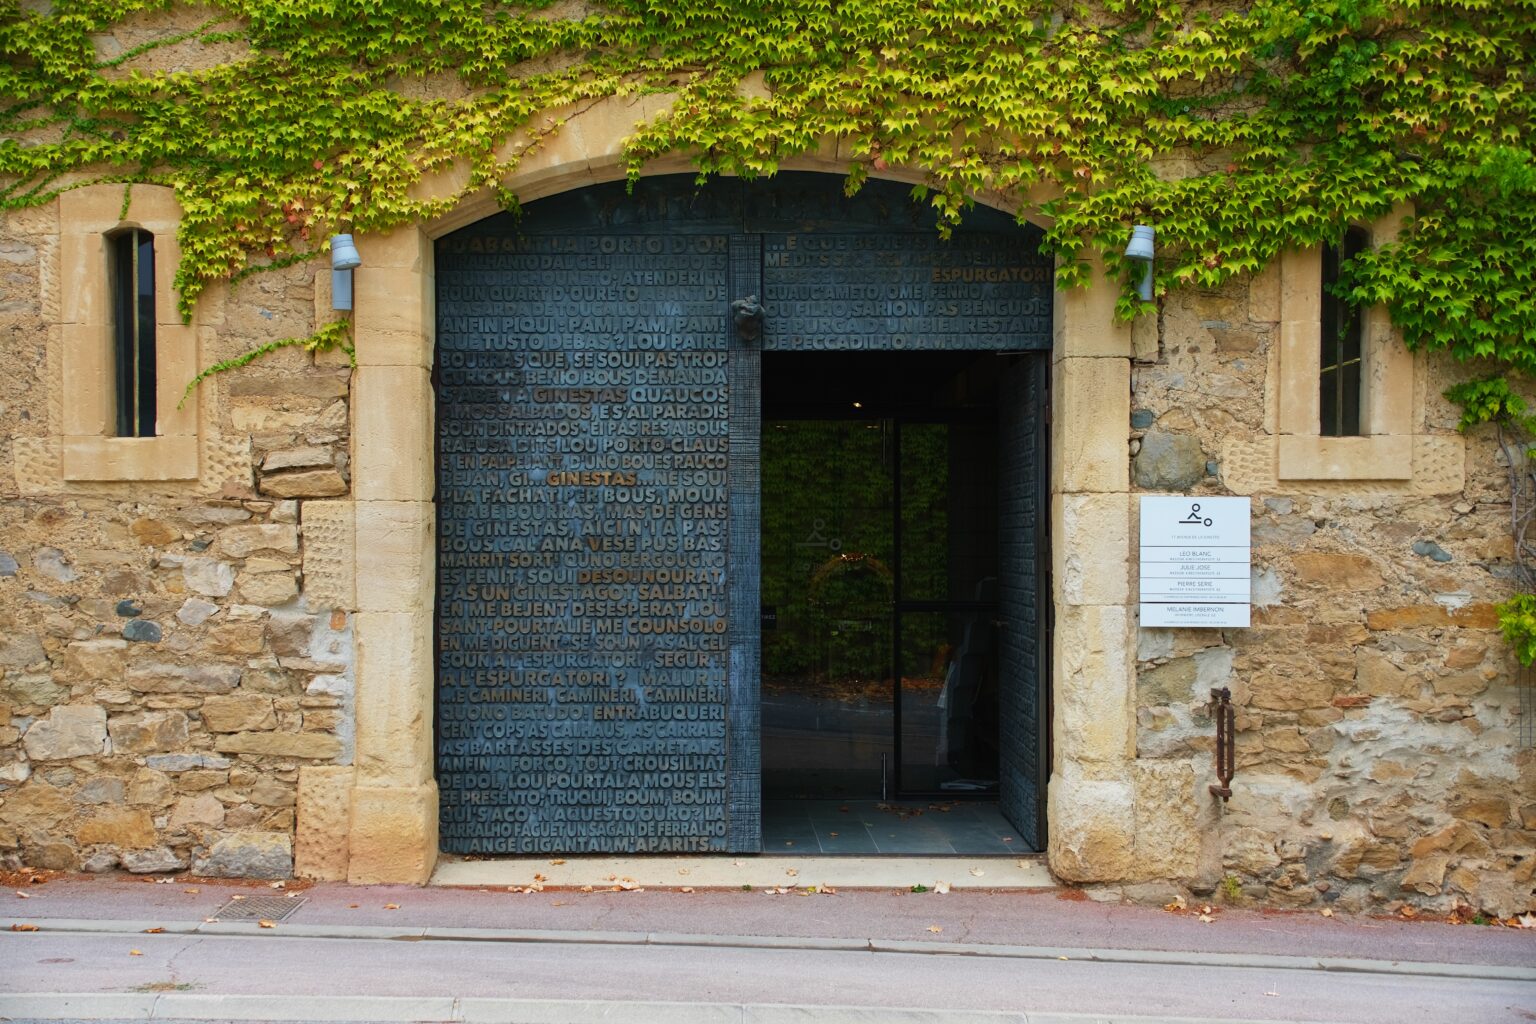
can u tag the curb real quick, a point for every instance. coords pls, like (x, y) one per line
(400, 1010)
(382, 933)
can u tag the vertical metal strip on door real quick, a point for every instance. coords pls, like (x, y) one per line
(1020, 519)
(744, 823)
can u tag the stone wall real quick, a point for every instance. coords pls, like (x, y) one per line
(1378, 754)
(179, 660)
(167, 670)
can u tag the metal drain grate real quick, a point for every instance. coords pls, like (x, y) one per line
(259, 908)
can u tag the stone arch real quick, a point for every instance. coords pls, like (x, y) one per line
(390, 834)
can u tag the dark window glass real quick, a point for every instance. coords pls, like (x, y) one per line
(1340, 379)
(133, 300)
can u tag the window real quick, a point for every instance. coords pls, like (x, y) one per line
(132, 253)
(126, 355)
(1341, 360)
(1344, 399)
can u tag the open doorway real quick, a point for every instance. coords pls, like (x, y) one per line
(886, 485)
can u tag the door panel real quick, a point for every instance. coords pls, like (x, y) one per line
(907, 291)
(1021, 586)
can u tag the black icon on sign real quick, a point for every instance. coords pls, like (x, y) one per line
(1193, 519)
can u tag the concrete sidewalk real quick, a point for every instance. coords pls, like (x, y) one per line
(1045, 919)
(1035, 930)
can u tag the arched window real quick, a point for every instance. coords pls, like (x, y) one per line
(1340, 379)
(132, 254)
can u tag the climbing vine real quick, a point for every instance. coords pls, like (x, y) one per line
(1237, 130)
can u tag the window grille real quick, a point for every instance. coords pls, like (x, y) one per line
(1341, 365)
(133, 327)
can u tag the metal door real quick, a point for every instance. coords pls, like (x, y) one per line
(598, 388)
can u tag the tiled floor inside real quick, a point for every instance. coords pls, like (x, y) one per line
(909, 828)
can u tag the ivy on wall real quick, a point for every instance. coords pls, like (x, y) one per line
(1238, 130)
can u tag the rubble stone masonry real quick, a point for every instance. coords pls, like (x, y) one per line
(1378, 753)
(168, 674)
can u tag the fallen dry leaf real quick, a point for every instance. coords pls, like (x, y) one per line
(791, 872)
(237, 897)
(628, 885)
(134, 952)
(23, 895)
(1409, 912)
(153, 931)
(1526, 921)
(1206, 919)
(264, 923)
(586, 888)
(391, 906)
(24, 928)
(1062, 958)
(353, 906)
(277, 885)
(827, 890)
(559, 903)
(557, 862)
(935, 928)
(941, 887)
(977, 872)
(1327, 911)
(683, 871)
(686, 888)
(191, 892)
(1177, 906)
(164, 881)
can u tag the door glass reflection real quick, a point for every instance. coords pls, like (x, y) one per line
(827, 592)
(949, 690)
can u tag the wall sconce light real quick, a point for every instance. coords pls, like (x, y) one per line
(344, 258)
(1140, 250)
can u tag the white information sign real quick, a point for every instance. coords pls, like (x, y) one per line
(1196, 557)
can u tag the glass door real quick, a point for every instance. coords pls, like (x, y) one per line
(881, 628)
(946, 617)
(828, 581)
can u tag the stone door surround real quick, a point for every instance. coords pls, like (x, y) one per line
(390, 834)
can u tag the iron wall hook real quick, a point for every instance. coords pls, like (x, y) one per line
(1226, 745)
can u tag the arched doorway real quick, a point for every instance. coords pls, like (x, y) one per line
(603, 517)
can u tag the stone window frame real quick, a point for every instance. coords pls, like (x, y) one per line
(91, 449)
(1384, 448)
